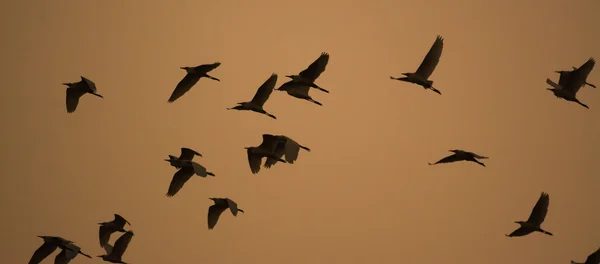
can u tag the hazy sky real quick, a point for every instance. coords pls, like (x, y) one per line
(365, 193)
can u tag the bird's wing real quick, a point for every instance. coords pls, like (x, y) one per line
(119, 220)
(183, 86)
(254, 162)
(42, 252)
(578, 77)
(214, 211)
(279, 152)
(564, 78)
(593, 258)
(104, 235)
(207, 67)
(91, 86)
(108, 248)
(315, 69)
(73, 95)
(432, 58)
(188, 154)
(232, 206)
(270, 142)
(292, 148)
(538, 214)
(62, 258)
(293, 86)
(521, 231)
(451, 158)
(121, 244)
(478, 156)
(71, 251)
(265, 90)
(199, 169)
(179, 179)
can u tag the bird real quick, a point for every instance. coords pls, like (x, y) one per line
(309, 75)
(287, 147)
(536, 218)
(108, 228)
(429, 63)
(586, 64)
(298, 90)
(215, 210)
(265, 149)
(114, 254)
(51, 243)
(187, 169)
(570, 83)
(78, 89)
(68, 252)
(259, 99)
(593, 258)
(191, 78)
(460, 155)
(186, 154)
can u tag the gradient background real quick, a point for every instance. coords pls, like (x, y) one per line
(365, 194)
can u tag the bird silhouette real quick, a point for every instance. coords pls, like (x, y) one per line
(108, 228)
(78, 89)
(191, 78)
(308, 76)
(461, 155)
(51, 243)
(536, 218)
(115, 253)
(286, 147)
(429, 63)
(570, 83)
(187, 170)
(593, 258)
(260, 98)
(265, 149)
(186, 154)
(215, 210)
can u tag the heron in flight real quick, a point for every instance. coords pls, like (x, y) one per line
(108, 228)
(215, 210)
(593, 258)
(570, 83)
(461, 155)
(536, 218)
(429, 63)
(298, 90)
(114, 254)
(586, 64)
(187, 169)
(308, 76)
(286, 147)
(77, 90)
(51, 243)
(265, 149)
(186, 154)
(259, 99)
(191, 78)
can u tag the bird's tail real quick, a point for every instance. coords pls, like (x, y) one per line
(305, 148)
(210, 173)
(553, 84)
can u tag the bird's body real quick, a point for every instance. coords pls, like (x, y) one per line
(187, 154)
(428, 65)
(285, 147)
(215, 211)
(68, 250)
(593, 258)
(461, 155)
(115, 253)
(191, 78)
(536, 218)
(308, 76)
(570, 82)
(298, 90)
(187, 169)
(78, 89)
(265, 149)
(108, 228)
(260, 98)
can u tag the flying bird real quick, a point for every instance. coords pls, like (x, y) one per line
(570, 83)
(78, 89)
(114, 254)
(108, 228)
(51, 243)
(431, 60)
(308, 76)
(298, 90)
(187, 169)
(186, 154)
(586, 64)
(191, 78)
(265, 149)
(593, 258)
(68, 252)
(461, 155)
(536, 218)
(215, 210)
(286, 147)
(259, 99)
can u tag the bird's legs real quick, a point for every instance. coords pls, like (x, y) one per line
(435, 90)
(476, 161)
(582, 104)
(545, 232)
(210, 77)
(313, 85)
(594, 86)
(97, 95)
(312, 101)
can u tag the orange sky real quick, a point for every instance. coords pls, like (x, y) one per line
(365, 193)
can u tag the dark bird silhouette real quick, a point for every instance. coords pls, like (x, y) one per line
(308, 76)
(215, 211)
(186, 154)
(569, 83)
(586, 64)
(114, 254)
(259, 99)
(187, 169)
(286, 147)
(51, 243)
(298, 90)
(191, 78)
(536, 218)
(78, 89)
(265, 149)
(461, 155)
(430, 62)
(594, 258)
(108, 228)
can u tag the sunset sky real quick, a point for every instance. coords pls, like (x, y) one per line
(364, 194)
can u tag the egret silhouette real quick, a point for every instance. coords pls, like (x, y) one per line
(593, 258)
(215, 210)
(115, 253)
(187, 169)
(586, 64)
(78, 89)
(536, 218)
(68, 252)
(461, 155)
(191, 78)
(429, 63)
(260, 98)
(51, 243)
(308, 76)
(265, 149)
(570, 83)
(186, 154)
(286, 147)
(298, 90)
(108, 228)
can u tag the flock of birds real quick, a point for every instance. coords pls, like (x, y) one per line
(280, 148)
